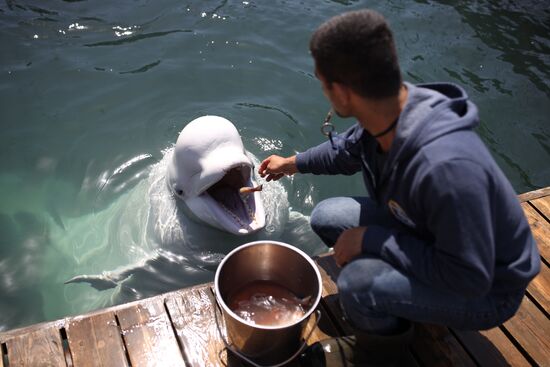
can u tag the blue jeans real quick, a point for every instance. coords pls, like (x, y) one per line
(377, 298)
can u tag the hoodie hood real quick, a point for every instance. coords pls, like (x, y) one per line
(432, 110)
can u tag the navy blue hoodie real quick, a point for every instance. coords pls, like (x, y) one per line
(460, 226)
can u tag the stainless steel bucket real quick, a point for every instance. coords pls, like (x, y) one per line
(272, 261)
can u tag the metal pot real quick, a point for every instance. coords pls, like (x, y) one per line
(271, 261)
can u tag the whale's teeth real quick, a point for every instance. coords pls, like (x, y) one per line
(249, 211)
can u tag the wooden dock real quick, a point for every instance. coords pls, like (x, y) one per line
(179, 329)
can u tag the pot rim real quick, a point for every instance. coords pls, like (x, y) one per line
(226, 308)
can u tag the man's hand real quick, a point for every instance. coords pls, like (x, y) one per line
(274, 167)
(348, 245)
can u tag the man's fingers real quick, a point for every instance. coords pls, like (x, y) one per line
(263, 167)
(337, 254)
(339, 261)
(274, 177)
(273, 168)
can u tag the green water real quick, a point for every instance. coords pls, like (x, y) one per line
(92, 94)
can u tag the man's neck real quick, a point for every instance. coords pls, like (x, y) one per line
(376, 116)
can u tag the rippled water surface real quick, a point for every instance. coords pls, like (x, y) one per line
(93, 93)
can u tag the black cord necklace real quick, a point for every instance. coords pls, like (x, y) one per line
(388, 129)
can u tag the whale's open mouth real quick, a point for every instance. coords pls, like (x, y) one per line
(227, 193)
(227, 206)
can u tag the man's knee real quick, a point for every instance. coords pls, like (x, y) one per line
(336, 213)
(362, 281)
(321, 216)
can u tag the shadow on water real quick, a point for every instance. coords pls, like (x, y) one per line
(142, 69)
(136, 38)
(24, 242)
(517, 29)
(255, 105)
(487, 134)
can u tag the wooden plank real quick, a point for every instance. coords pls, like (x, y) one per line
(543, 205)
(39, 348)
(540, 228)
(192, 314)
(329, 275)
(5, 335)
(148, 335)
(96, 341)
(539, 288)
(531, 329)
(436, 346)
(8, 334)
(491, 348)
(531, 195)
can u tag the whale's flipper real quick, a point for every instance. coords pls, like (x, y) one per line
(100, 282)
(162, 272)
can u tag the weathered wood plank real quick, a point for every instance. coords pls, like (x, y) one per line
(491, 348)
(8, 334)
(539, 288)
(531, 195)
(329, 274)
(62, 322)
(543, 205)
(148, 335)
(540, 228)
(531, 329)
(96, 341)
(39, 348)
(192, 313)
(436, 346)
(1, 354)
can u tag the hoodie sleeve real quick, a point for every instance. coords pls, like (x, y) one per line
(323, 159)
(456, 199)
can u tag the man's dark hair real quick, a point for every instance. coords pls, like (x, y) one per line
(357, 50)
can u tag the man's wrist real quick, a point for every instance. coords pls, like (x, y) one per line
(290, 164)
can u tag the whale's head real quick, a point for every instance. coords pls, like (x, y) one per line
(208, 167)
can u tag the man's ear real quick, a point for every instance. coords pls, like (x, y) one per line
(342, 94)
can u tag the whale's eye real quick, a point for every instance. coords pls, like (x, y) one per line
(179, 192)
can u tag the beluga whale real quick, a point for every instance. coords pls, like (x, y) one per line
(200, 201)
(212, 174)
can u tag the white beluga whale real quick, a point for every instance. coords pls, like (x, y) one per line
(201, 200)
(208, 171)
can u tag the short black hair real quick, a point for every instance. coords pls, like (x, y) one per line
(357, 50)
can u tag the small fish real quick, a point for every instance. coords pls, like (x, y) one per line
(249, 190)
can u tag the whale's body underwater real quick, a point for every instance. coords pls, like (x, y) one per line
(193, 214)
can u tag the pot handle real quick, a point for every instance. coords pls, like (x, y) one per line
(245, 358)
